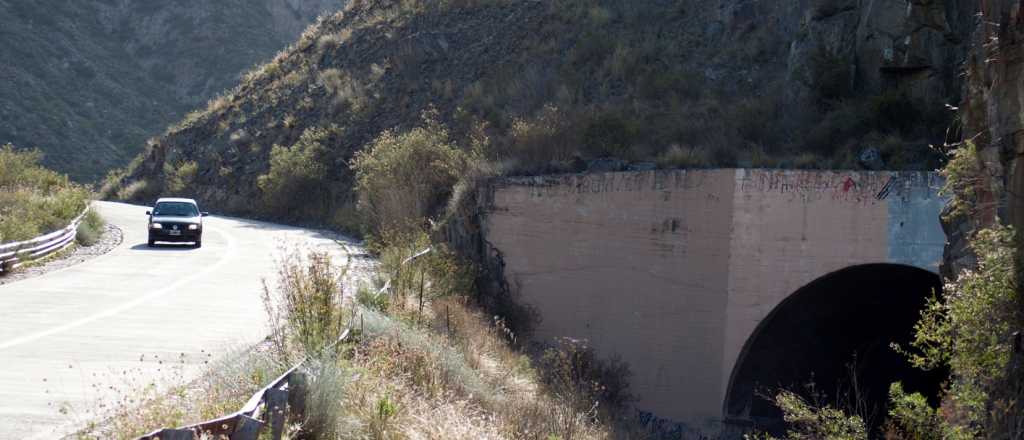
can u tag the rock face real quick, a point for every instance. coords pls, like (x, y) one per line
(990, 117)
(994, 104)
(88, 82)
(866, 45)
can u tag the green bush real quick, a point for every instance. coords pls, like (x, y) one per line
(811, 421)
(963, 182)
(611, 135)
(911, 417)
(404, 178)
(970, 328)
(180, 178)
(91, 229)
(34, 200)
(298, 182)
(142, 190)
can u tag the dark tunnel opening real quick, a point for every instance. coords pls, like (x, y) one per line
(846, 318)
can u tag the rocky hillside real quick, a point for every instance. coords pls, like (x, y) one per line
(991, 120)
(556, 84)
(89, 81)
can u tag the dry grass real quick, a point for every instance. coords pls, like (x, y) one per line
(436, 355)
(454, 376)
(130, 404)
(33, 199)
(440, 370)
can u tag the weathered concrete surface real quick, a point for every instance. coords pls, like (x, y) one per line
(76, 335)
(673, 270)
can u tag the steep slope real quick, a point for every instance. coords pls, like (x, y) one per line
(88, 81)
(824, 83)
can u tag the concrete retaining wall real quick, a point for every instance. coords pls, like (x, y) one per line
(673, 270)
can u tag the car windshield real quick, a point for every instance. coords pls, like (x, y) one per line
(178, 209)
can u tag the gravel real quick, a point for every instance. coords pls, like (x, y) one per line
(111, 238)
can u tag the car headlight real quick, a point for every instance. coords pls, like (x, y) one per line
(156, 225)
(193, 227)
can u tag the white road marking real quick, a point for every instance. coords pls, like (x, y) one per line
(130, 304)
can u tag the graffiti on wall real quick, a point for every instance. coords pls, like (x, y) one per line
(859, 187)
(612, 182)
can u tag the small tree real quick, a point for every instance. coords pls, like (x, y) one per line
(298, 177)
(305, 309)
(403, 178)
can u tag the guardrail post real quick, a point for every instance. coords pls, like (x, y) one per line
(277, 401)
(297, 394)
(248, 428)
(176, 434)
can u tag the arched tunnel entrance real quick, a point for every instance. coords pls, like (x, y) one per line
(846, 319)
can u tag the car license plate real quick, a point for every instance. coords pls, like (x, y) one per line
(174, 232)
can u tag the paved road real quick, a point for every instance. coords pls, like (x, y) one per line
(66, 331)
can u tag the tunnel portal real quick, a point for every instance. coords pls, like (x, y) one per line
(844, 320)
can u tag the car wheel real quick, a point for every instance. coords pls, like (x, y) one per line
(151, 243)
(198, 244)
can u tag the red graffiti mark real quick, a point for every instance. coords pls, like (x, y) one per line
(848, 183)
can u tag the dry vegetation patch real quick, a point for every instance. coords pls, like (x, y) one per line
(35, 200)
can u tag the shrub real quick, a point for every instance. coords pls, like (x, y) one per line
(305, 310)
(180, 177)
(964, 184)
(91, 229)
(345, 88)
(111, 183)
(971, 328)
(325, 388)
(369, 298)
(840, 123)
(811, 421)
(403, 178)
(611, 135)
(577, 377)
(139, 191)
(677, 156)
(911, 417)
(33, 199)
(537, 142)
(297, 183)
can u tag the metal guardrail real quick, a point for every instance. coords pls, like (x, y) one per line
(269, 406)
(13, 255)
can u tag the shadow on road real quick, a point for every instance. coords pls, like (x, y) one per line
(313, 233)
(164, 247)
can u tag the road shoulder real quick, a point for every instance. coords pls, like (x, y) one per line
(111, 238)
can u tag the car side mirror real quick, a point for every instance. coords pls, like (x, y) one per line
(149, 213)
(205, 213)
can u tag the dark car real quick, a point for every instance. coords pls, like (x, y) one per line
(176, 220)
